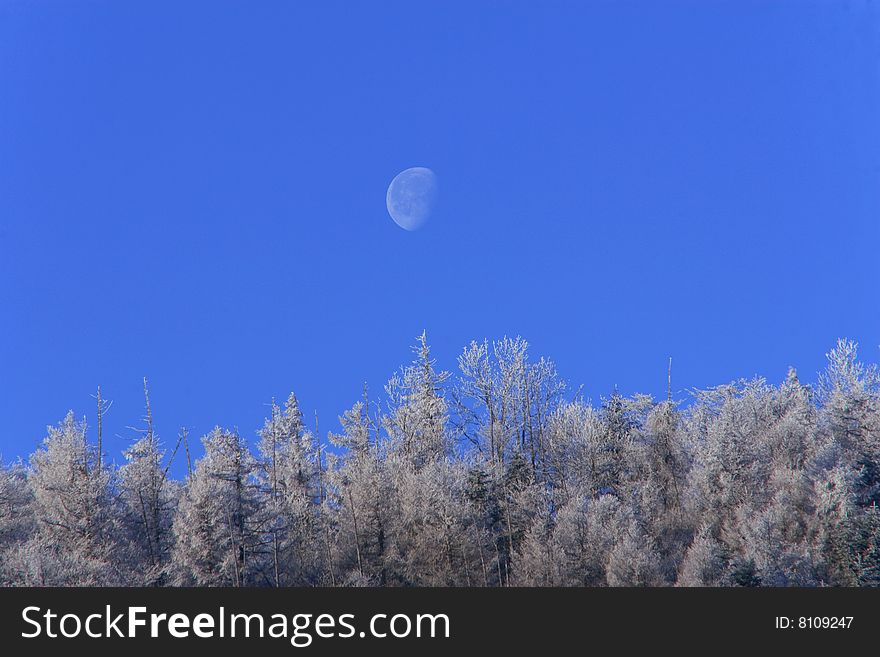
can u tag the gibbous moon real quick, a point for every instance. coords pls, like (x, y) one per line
(411, 197)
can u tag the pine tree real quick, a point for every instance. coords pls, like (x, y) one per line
(17, 520)
(417, 418)
(218, 540)
(291, 497)
(149, 499)
(74, 540)
(745, 484)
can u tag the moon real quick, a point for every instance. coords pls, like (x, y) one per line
(411, 196)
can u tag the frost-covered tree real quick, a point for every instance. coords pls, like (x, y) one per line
(492, 479)
(290, 479)
(504, 404)
(633, 560)
(217, 525)
(73, 542)
(148, 499)
(504, 401)
(362, 494)
(705, 563)
(850, 417)
(417, 420)
(17, 521)
(432, 543)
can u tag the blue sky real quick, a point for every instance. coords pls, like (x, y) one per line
(195, 192)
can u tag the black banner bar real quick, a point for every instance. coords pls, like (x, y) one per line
(431, 621)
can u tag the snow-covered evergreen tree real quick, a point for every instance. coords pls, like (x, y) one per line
(75, 529)
(148, 499)
(17, 519)
(290, 479)
(493, 479)
(219, 540)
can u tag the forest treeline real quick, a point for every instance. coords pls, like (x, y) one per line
(498, 475)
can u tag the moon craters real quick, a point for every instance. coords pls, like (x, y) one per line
(411, 197)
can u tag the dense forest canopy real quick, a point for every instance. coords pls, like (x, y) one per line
(499, 475)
